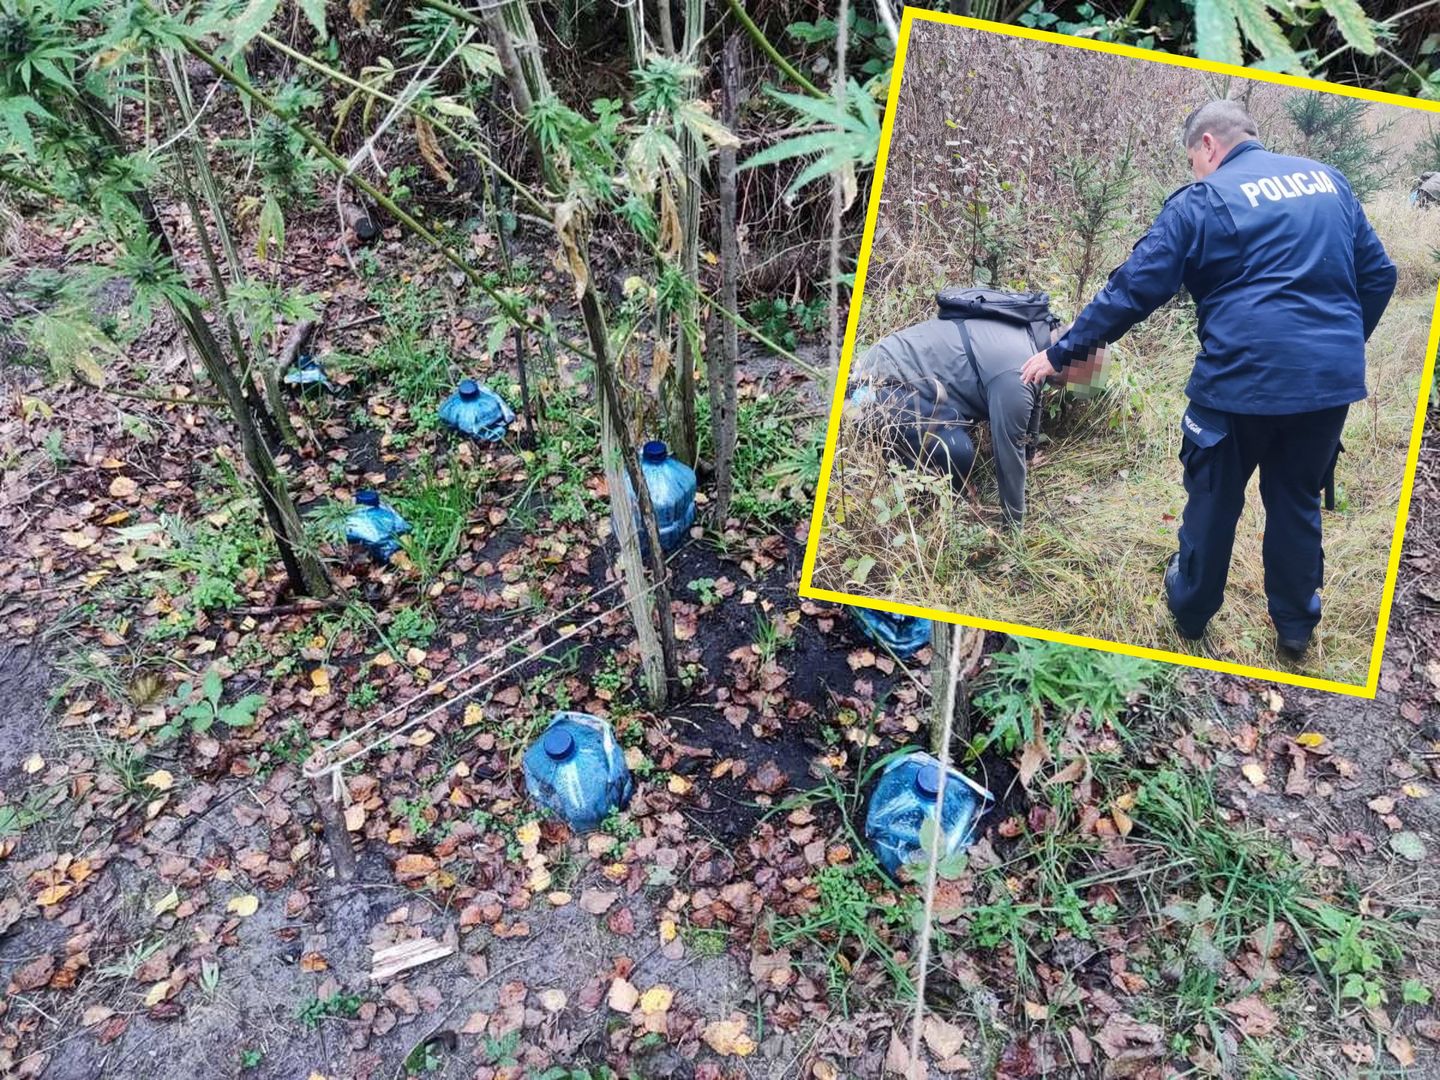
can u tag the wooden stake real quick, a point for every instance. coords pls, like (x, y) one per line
(332, 815)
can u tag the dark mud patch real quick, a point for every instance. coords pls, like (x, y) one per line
(25, 681)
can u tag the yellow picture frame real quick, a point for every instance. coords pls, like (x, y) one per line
(1365, 690)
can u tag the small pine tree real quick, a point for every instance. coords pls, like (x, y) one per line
(1426, 155)
(1333, 129)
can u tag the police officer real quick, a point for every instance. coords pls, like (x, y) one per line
(1289, 281)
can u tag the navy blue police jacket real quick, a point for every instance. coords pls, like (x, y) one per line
(1288, 277)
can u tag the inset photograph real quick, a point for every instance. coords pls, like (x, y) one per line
(1138, 357)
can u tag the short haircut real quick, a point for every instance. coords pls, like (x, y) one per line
(1226, 120)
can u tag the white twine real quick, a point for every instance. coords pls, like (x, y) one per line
(430, 691)
(932, 869)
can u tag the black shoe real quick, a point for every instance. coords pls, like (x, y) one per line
(1292, 649)
(1172, 571)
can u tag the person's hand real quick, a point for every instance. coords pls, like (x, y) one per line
(1037, 369)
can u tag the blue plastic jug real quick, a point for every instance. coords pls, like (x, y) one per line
(308, 372)
(903, 635)
(577, 770)
(375, 525)
(905, 797)
(672, 493)
(477, 411)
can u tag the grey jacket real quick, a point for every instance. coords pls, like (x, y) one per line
(930, 356)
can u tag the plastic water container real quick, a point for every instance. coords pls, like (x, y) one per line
(672, 493)
(308, 372)
(477, 411)
(906, 797)
(577, 770)
(903, 635)
(375, 525)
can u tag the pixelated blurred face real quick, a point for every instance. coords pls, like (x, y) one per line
(1089, 371)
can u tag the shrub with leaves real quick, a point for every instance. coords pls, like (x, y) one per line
(1034, 677)
(201, 714)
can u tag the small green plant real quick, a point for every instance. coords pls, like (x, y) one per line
(1353, 958)
(201, 714)
(411, 626)
(1035, 676)
(768, 640)
(413, 811)
(620, 825)
(363, 696)
(339, 1006)
(426, 1057)
(704, 589)
(844, 922)
(501, 1051)
(251, 1058)
(1415, 992)
(707, 941)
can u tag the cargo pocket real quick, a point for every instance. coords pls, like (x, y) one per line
(1199, 449)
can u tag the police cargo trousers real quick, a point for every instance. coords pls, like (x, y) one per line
(1220, 452)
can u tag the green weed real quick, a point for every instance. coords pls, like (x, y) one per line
(1033, 677)
(199, 714)
(339, 1006)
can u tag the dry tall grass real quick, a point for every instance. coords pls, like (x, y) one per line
(1106, 496)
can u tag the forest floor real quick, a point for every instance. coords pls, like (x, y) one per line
(1222, 879)
(1105, 501)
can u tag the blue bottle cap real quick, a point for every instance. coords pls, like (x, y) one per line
(655, 450)
(559, 744)
(367, 498)
(469, 390)
(927, 781)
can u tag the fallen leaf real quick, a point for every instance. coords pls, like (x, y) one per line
(1254, 773)
(1408, 846)
(553, 1000)
(244, 906)
(1401, 1049)
(679, 785)
(1310, 739)
(33, 764)
(598, 901)
(168, 902)
(160, 780)
(623, 996)
(1034, 754)
(35, 974)
(53, 895)
(728, 1037)
(156, 993)
(657, 999)
(769, 778)
(1255, 1018)
(412, 866)
(123, 487)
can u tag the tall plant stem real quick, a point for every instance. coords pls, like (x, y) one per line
(758, 36)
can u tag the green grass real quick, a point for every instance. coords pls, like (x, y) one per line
(1105, 498)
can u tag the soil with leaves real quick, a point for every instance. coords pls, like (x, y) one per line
(1179, 878)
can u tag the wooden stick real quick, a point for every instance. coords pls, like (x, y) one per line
(332, 816)
(295, 343)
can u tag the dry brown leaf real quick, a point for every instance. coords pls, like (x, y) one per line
(728, 1037)
(623, 996)
(1254, 1017)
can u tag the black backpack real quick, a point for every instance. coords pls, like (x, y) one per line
(1028, 309)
